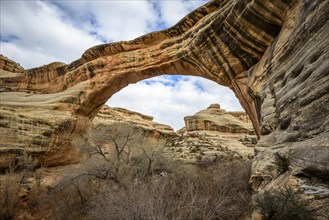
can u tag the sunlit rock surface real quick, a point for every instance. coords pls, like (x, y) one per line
(216, 119)
(214, 135)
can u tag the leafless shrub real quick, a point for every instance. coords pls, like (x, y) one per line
(20, 190)
(10, 203)
(121, 140)
(207, 194)
(284, 204)
(150, 185)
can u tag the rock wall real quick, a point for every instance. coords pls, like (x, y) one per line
(214, 135)
(294, 94)
(293, 89)
(109, 116)
(200, 44)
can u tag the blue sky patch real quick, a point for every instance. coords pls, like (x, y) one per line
(199, 86)
(10, 38)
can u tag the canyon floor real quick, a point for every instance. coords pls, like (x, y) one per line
(134, 168)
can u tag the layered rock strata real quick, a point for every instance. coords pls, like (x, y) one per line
(293, 87)
(216, 119)
(214, 134)
(207, 147)
(295, 92)
(201, 44)
(110, 116)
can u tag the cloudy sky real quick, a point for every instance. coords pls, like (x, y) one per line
(35, 33)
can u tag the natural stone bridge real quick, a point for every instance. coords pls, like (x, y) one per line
(218, 41)
(272, 54)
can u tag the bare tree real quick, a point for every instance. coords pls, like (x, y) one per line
(115, 142)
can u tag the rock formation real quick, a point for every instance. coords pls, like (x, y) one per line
(216, 119)
(214, 134)
(108, 116)
(201, 44)
(272, 54)
(293, 89)
(135, 133)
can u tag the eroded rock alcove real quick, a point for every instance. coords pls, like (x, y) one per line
(272, 54)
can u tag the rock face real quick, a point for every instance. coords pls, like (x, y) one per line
(293, 87)
(214, 134)
(295, 99)
(216, 119)
(108, 116)
(135, 133)
(9, 68)
(31, 130)
(272, 54)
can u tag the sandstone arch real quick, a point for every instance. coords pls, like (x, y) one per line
(218, 41)
(275, 62)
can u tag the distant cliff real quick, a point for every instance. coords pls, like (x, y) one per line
(216, 119)
(214, 135)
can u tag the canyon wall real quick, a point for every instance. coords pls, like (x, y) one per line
(123, 134)
(294, 94)
(214, 135)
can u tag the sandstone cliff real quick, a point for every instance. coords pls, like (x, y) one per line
(291, 83)
(292, 86)
(135, 133)
(216, 119)
(214, 134)
(109, 116)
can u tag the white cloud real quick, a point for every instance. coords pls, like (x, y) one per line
(124, 20)
(169, 102)
(174, 11)
(112, 20)
(33, 34)
(36, 32)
